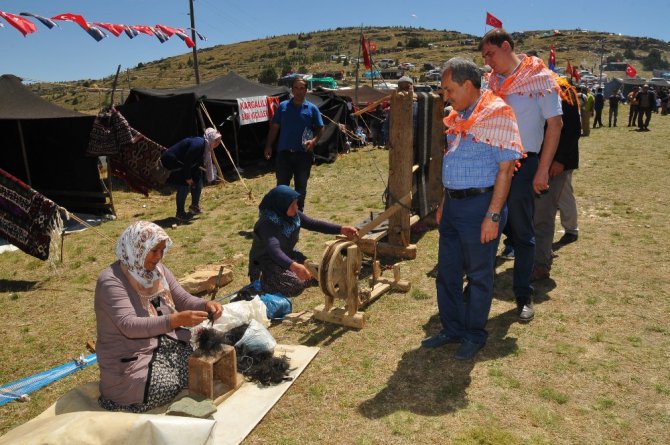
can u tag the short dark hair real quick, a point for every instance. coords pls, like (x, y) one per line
(298, 79)
(461, 70)
(496, 37)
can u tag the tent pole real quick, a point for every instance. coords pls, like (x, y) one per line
(237, 148)
(116, 79)
(212, 154)
(23, 151)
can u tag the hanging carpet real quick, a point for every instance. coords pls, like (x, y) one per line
(28, 219)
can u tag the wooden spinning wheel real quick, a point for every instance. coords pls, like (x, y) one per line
(338, 274)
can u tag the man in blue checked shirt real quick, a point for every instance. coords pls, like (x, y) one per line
(483, 142)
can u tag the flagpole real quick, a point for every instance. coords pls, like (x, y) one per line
(195, 45)
(358, 64)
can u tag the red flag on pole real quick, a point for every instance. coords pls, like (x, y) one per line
(575, 73)
(568, 70)
(630, 71)
(493, 21)
(366, 54)
(24, 26)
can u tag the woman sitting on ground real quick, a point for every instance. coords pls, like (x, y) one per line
(142, 313)
(273, 257)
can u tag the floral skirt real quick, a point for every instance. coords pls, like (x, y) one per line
(168, 375)
(276, 279)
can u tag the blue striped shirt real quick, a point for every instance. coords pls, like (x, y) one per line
(473, 164)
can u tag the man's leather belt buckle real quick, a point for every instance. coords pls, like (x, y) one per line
(466, 193)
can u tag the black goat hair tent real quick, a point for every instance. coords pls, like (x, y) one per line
(43, 145)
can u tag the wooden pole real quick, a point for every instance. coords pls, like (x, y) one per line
(23, 151)
(434, 183)
(401, 159)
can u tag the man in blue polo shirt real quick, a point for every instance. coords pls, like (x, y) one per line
(299, 125)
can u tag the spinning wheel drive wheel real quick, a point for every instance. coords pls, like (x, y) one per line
(338, 273)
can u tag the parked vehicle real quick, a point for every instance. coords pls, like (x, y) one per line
(385, 63)
(407, 66)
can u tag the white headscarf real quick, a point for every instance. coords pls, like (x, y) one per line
(211, 135)
(134, 244)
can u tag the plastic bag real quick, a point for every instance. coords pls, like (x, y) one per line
(256, 339)
(234, 315)
(278, 306)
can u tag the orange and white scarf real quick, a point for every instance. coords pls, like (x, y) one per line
(492, 121)
(530, 78)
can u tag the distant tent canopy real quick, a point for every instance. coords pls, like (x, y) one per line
(626, 85)
(366, 94)
(168, 115)
(43, 145)
(325, 82)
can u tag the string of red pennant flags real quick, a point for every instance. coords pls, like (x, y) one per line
(95, 29)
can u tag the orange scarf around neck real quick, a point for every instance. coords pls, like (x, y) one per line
(492, 121)
(530, 78)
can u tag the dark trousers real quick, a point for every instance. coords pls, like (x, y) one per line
(461, 251)
(614, 112)
(643, 117)
(632, 115)
(296, 165)
(182, 193)
(520, 229)
(598, 119)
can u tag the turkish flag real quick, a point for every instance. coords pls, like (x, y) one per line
(144, 29)
(373, 46)
(69, 17)
(366, 54)
(24, 26)
(576, 75)
(273, 104)
(169, 31)
(114, 29)
(630, 71)
(493, 21)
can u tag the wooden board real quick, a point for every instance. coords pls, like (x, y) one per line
(204, 279)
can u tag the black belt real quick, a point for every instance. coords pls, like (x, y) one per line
(465, 193)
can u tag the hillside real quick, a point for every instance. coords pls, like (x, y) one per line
(311, 52)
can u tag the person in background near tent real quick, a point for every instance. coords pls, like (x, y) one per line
(483, 142)
(560, 172)
(299, 125)
(406, 84)
(646, 102)
(590, 104)
(273, 258)
(598, 106)
(527, 85)
(142, 315)
(185, 161)
(633, 111)
(615, 98)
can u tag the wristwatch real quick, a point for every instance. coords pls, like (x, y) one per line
(495, 217)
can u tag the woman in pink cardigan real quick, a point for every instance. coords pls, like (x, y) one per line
(142, 315)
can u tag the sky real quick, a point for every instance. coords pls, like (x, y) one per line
(69, 53)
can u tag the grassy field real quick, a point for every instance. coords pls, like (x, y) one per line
(592, 368)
